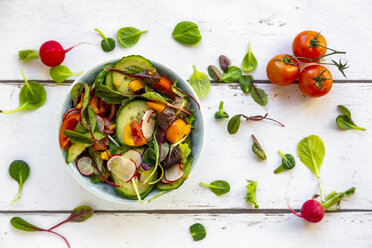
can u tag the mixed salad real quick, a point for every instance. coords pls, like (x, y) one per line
(131, 128)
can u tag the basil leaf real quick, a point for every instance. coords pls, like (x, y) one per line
(129, 36)
(187, 33)
(259, 96)
(80, 214)
(60, 73)
(109, 95)
(245, 83)
(249, 62)
(27, 55)
(23, 225)
(220, 113)
(197, 231)
(19, 171)
(78, 137)
(234, 124)
(345, 122)
(251, 193)
(219, 187)
(200, 83)
(311, 152)
(232, 74)
(257, 149)
(107, 44)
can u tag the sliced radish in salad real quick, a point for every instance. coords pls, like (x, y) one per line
(174, 173)
(70, 112)
(165, 181)
(100, 123)
(85, 166)
(124, 168)
(148, 123)
(164, 150)
(135, 156)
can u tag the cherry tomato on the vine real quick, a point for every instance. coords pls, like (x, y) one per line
(309, 44)
(315, 81)
(283, 70)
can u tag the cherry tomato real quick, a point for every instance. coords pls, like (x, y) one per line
(315, 81)
(69, 123)
(283, 72)
(302, 45)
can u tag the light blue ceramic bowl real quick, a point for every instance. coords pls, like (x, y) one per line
(104, 190)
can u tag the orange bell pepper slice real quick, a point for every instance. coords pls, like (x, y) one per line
(177, 131)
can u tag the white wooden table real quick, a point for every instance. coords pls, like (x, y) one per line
(227, 27)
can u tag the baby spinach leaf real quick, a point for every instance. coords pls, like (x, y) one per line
(335, 198)
(100, 77)
(109, 95)
(234, 124)
(86, 97)
(245, 83)
(23, 225)
(154, 96)
(251, 193)
(32, 96)
(232, 74)
(200, 83)
(149, 157)
(344, 121)
(311, 152)
(129, 36)
(19, 171)
(27, 55)
(76, 91)
(249, 62)
(220, 113)
(78, 137)
(197, 231)
(92, 118)
(257, 149)
(107, 44)
(259, 96)
(60, 73)
(288, 162)
(187, 33)
(219, 187)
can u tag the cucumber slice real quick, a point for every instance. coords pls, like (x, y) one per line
(121, 81)
(133, 110)
(127, 190)
(77, 148)
(186, 170)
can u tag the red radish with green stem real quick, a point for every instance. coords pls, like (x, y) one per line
(311, 210)
(52, 53)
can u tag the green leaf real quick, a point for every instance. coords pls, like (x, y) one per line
(107, 44)
(109, 95)
(32, 96)
(245, 83)
(60, 73)
(346, 111)
(219, 187)
(197, 231)
(154, 96)
(101, 77)
(232, 74)
(80, 214)
(288, 162)
(149, 157)
(251, 193)
(129, 36)
(200, 83)
(184, 152)
(259, 96)
(345, 122)
(21, 224)
(86, 97)
(76, 91)
(257, 149)
(220, 113)
(187, 33)
(234, 124)
(27, 55)
(78, 137)
(92, 118)
(249, 62)
(311, 151)
(19, 171)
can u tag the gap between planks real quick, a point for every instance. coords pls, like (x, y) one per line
(182, 211)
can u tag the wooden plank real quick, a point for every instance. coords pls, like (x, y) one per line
(226, 27)
(241, 230)
(32, 136)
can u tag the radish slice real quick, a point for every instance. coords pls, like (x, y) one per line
(165, 181)
(135, 156)
(148, 123)
(163, 151)
(85, 166)
(70, 112)
(100, 123)
(174, 173)
(124, 168)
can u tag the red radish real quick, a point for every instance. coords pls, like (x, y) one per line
(135, 156)
(70, 112)
(85, 166)
(52, 53)
(165, 181)
(148, 123)
(311, 210)
(100, 123)
(124, 168)
(174, 173)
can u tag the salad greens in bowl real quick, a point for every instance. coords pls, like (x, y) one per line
(131, 129)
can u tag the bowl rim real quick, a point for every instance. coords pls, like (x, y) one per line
(62, 111)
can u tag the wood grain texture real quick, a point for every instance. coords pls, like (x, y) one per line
(144, 230)
(226, 157)
(226, 27)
